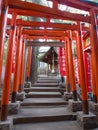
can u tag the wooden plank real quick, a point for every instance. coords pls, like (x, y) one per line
(34, 43)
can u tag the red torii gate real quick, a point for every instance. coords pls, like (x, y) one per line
(25, 8)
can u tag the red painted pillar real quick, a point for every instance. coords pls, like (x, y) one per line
(28, 63)
(87, 63)
(94, 46)
(76, 59)
(67, 67)
(3, 22)
(22, 68)
(71, 69)
(93, 81)
(82, 71)
(17, 65)
(0, 6)
(7, 77)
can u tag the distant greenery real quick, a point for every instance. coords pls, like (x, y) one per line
(93, 1)
(5, 51)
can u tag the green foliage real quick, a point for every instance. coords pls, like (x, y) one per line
(93, 1)
(88, 41)
(74, 49)
(5, 51)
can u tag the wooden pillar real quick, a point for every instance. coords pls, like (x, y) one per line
(3, 22)
(28, 63)
(82, 71)
(17, 65)
(0, 5)
(22, 68)
(72, 74)
(94, 92)
(1, 1)
(8, 69)
(67, 67)
(77, 52)
(94, 45)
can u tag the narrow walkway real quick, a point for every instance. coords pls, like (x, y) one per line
(45, 109)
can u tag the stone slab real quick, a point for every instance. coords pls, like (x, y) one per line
(75, 106)
(46, 81)
(41, 89)
(6, 125)
(87, 121)
(24, 120)
(67, 96)
(21, 96)
(43, 95)
(27, 84)
(43, 100)
(44, 111)
(13, 108)
(43, 114)
(57, 125)
(46, 84)
(93, 106)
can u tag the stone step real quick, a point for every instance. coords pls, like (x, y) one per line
(46, 84)
(62, 125)
(46, 81)
(43, 95)
(51, 79)
(32, 119)
(41, 114)
(48, 77)
(44, 104)
(41, 89)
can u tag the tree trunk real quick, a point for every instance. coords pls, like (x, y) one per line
(34, 65)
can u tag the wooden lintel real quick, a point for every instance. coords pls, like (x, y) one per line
(48, 11)
(54, 44)
(44, 24)
(43, 37)
(43, 32)
(47, 25)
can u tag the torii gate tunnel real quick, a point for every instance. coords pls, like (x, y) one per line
(21, 33)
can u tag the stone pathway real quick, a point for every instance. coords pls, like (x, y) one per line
(45, 109)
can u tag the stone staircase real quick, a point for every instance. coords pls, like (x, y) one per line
(43, 104)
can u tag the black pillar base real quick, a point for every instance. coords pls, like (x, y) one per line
(4, 112)
(85, 106)
(13, 98)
